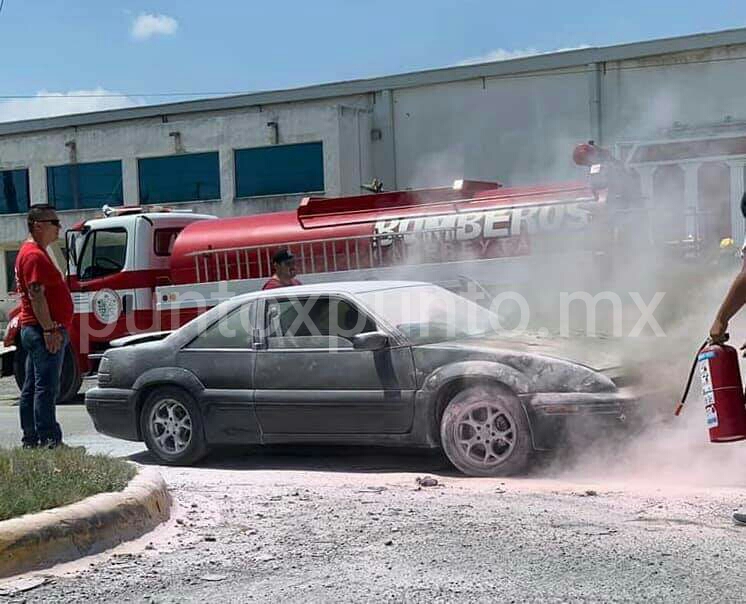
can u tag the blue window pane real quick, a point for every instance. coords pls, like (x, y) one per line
(14, 197)
(278, 170)
(10, 270)
(91, 185)
(194, 177)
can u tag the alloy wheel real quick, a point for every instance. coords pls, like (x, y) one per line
(485, 434)
(170, 425)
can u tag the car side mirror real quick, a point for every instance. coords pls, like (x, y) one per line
(373, 340)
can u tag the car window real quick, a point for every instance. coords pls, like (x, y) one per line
(232, 331)
(428, 313)
(315, 317)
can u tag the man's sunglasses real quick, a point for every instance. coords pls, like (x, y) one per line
(55, 221)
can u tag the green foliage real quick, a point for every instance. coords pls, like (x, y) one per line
(35, 480)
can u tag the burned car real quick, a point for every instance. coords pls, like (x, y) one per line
(368, 363)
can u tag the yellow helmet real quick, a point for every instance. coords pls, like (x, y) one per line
(726, 243)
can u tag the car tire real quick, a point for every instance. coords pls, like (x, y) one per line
(484, 431)
(171, 425)
(70, 378)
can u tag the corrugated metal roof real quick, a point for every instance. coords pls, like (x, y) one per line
(549, 61)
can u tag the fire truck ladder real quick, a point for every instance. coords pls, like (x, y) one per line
(322, 255)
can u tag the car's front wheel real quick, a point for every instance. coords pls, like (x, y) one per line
(484, 432)
(171, 425)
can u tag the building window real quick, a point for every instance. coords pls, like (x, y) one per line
(177, 178)
(14, 197)
(10, 270)
(280, 169)
(91, 185)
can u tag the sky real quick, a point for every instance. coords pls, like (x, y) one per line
(68, 55)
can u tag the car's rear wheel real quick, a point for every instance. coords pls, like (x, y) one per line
(171, 425)
(484, 432)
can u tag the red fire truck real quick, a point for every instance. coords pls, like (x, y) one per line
(137, 272)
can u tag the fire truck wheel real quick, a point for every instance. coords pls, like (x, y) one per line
(70, 378)
(484, 432)
(171, 424)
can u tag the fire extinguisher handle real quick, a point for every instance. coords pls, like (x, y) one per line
(680, 406)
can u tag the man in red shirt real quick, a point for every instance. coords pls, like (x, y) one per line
(283, 265)
(46, 315)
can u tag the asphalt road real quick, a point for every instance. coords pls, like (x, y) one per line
(647, 522)
(77, 427)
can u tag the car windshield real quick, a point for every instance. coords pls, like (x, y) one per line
(428, 313)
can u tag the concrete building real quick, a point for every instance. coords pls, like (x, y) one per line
(674, 109)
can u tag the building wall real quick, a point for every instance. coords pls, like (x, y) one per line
(332, 122)
(687, 96)
(517, 128)
(643, 97)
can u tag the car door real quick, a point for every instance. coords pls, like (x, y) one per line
(310, 380)
(222, 357)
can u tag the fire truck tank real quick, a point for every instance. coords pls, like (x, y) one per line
(198, 252)
(331, 234)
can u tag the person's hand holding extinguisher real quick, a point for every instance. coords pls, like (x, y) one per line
(734, 301)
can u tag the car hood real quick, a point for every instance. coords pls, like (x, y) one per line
(548, 364)
(599, 354)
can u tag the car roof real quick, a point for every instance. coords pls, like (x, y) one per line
(330, 287)
(189, 330)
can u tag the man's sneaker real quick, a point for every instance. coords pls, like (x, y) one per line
(30, 445)
(58, 444)
(739, 518)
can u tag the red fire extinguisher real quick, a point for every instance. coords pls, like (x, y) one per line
(722, 390)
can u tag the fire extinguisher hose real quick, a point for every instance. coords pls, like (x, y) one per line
(680, 406)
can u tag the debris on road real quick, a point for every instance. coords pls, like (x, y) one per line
(427, 481)
(214, 578)
(372, 490)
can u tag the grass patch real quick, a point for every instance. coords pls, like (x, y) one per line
(36, 480)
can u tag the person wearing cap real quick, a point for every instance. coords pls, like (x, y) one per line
(283, 267)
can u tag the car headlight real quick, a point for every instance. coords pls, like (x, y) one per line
(104, 372)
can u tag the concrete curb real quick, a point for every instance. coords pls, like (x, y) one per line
(87, 527)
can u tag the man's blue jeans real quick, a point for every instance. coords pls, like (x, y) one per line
(41, 388)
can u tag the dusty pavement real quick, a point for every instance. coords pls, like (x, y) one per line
(320, 527)
(313, 524)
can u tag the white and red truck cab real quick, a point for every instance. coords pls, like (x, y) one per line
(148, 270)
(114, 264)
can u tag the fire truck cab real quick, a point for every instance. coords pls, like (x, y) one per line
(114, 264)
